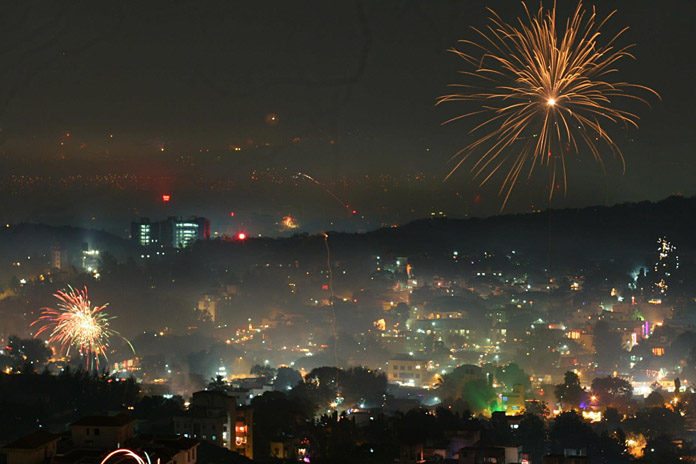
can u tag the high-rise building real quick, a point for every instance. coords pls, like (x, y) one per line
(171, 232)
(184, 233)
(59, 256)
(145, 232)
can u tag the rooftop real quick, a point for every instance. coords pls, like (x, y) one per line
(33, 440)
(118, 420)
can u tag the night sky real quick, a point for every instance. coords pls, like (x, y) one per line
(104, 107)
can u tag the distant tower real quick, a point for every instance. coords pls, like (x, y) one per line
(667, 263)
(59, 256)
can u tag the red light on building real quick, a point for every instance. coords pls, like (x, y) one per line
(354, 211)
(324, 287)
(241, 236)
(166, 198)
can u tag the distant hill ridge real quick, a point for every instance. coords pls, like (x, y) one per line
(593, 233)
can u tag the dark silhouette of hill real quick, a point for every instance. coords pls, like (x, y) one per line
(36, 240)
(591, 234)
(626, 232)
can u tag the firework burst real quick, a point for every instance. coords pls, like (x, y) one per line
(76, 323)
(543, 92)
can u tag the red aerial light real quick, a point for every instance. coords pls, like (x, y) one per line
(354, 211)
(166, 198)
(241, 236)
(232, 213)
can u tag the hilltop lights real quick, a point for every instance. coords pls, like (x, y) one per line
(667, 262)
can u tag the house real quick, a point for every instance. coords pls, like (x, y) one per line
(181, 450)
(36, 448)
(490, 454)
(104, 432)
(94, 438)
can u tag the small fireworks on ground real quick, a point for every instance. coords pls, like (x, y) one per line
(542, 91)
(75, 323)
(288, 223)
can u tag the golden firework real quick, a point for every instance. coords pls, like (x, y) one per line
(76, 323)
(542, 91)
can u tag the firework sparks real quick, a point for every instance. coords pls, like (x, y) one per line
(76, 323)
(542, 92)
(128, 454)
(322, 186)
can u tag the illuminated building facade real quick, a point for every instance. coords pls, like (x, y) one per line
(184, 233)
(145, 232)
(408, 371)
(172, 232)
(213, 416)
(512, 402)
(243, 432)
